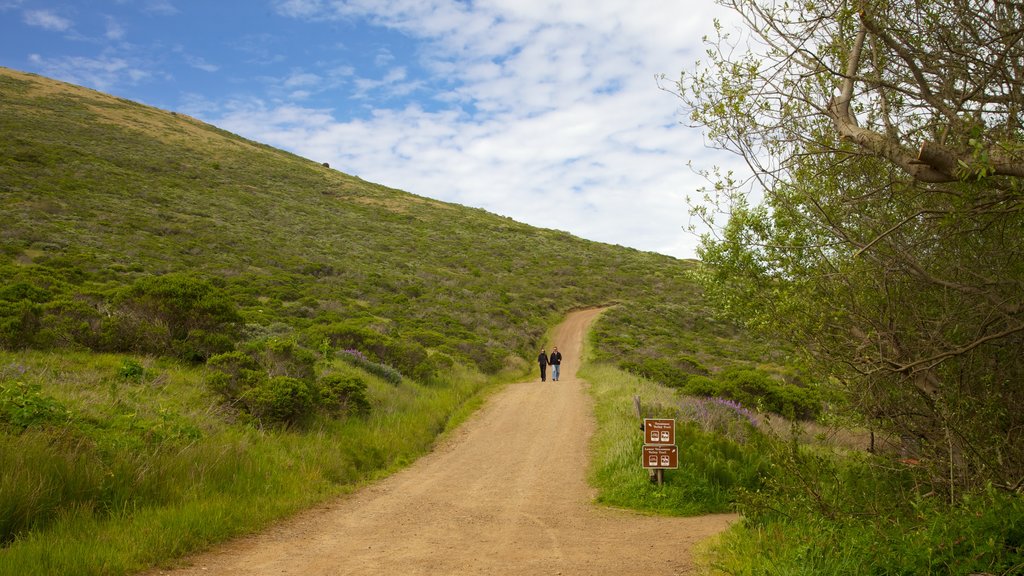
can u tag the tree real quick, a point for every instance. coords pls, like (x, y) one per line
(885, 140)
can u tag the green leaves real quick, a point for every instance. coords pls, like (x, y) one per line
(23, 405)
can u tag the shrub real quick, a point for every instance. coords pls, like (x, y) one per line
(280, 400)
(353, 335)
(341, 395)
(232, 373)
(719, 416)
(701, 386)
(403, 355)
(19, 324)
(284, 357)
(273, 381)
(752, 387)
(430, 370)
(173, 314)
(73, 322)
(131, 369)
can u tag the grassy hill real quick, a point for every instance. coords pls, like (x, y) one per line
(98, 192)
(200, 333)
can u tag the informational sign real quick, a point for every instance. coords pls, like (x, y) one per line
(659, 431)
(660, 457)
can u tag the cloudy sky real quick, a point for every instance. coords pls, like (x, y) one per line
(547, 112)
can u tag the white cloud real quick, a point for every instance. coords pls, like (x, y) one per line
(47, 20)
(550, 112)
(200, 63)
(114, 29)
(299, 8)
(101, 73)
(161, 7)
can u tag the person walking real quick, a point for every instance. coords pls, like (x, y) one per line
(542, 360)
(556, 363)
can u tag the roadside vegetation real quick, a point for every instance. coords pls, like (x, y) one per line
(813, 500)
(112, 464)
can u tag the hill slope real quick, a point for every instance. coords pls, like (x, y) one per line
(97, 192)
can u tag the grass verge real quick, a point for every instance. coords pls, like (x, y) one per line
(100, 474)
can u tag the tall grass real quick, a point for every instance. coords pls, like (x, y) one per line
(851, 516)
(88, 496)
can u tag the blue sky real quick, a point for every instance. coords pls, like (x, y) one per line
(546, 112)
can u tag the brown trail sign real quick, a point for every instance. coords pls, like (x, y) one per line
(660, 451)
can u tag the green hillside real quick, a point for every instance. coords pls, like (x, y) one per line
(98, 192)
(194, 325)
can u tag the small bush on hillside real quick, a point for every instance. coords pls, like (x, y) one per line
(753, 387)
(656, 369)
(131, 369)
(173, 314)
(19, 324)
(280, 400)
(74, 322)
(405, 356)
(432, 370)
(352, 335)
(341, 395)
(720, 416)
(274, 382)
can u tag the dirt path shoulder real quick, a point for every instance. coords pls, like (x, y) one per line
(506, 494)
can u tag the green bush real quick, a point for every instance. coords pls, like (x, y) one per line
(173, 314)
(280, 400)
(232, 373)
(353, 335)
(341, 395)
(73, 322)
(284, 357)
(432, 370)
(19, 324)
(702, 386)
(131, 369)
(752, 387)
(405, 356)
(273, 382)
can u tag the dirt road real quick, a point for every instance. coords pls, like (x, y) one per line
(506, 494)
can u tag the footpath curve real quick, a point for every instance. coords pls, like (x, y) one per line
(505, 494)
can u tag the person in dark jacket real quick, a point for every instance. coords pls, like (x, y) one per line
(542, 360)
(556, 363)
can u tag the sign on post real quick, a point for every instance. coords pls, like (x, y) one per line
(660, 457)
(659, 431)
(660, 452)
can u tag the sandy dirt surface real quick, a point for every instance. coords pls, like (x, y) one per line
(505, 494)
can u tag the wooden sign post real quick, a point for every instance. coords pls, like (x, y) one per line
(660, 451)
